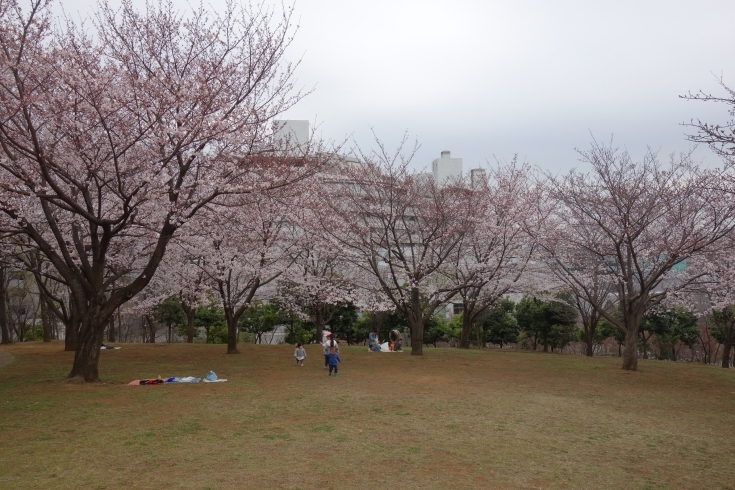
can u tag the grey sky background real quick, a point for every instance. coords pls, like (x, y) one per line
(489, 79)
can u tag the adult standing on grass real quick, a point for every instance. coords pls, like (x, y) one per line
(328, 345)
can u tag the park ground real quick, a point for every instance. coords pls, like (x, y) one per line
(450, 419)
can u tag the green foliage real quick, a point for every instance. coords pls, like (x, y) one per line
(669, 326)
(170, 313)
(297, 330)
(550, 323)
(500, 324)
(606, 330)
(438, 329)
(212, 318)
(260, 318)
(363, 325)
(344, 323)
(33, 332)
(722, 323)
(382, 321)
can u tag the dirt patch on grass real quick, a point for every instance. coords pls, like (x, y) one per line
(463, 419)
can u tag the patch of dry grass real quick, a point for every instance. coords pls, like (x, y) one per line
(451, 419)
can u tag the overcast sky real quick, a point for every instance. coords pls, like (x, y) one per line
(488, 79)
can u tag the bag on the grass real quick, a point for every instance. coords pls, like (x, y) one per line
(211, 376)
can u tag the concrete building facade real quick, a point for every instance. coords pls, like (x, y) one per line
(446, 168)
(292, 132)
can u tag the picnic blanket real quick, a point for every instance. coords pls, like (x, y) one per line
(209, 378)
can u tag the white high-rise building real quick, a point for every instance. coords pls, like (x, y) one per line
(477, 175)
(293, 132)
(446, 168)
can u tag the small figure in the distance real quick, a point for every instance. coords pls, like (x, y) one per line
(333, 361)
(372, 339)
(328, 345)
(300, 354)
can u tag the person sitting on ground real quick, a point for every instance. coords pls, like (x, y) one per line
(396, 339)
(372, 339)
(330, 344)
(300, 354)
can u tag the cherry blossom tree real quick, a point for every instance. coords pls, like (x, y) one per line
(713, 295)
(319, 279)
(401, 229)
(316, 284)
(249, 244)
(117, 132)
(178, 275)
(719, 137)
(632, 224)
(494, 252)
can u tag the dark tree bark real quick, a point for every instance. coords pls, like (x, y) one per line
(4, 329)
(111, 330)
(464, 337)
(726, 348)
(87, 353)
(233, 313)
(417, 338)
(47, 334)
(152, 326)
(231, 331)
(71, 327)
(190, 312)
(318, 321)
(416, 322)
(630, 354)
(590, 345)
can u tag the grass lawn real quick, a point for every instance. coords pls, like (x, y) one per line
(450, 419)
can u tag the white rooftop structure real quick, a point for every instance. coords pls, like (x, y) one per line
(446, 168)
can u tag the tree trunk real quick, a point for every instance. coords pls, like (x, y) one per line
(417, 338)
(231, 335)
(726, 352)
(47, 334)
(590, 335)
(70, 336)
(4, 330)
(87, 354)
(71, 328)
(416, 322)
(590, 345)
(190, 312)
(151, 329)
(630, 355)
(111, 330)
(319, 322)
(464, 338)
